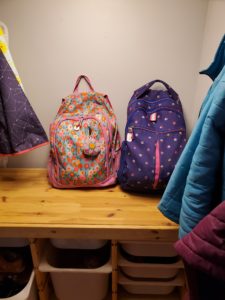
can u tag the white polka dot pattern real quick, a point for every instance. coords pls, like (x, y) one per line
(20, 129)
(156, 120)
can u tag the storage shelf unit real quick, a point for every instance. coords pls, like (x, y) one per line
(31, 208)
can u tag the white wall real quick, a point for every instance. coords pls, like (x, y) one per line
(119, 44)
(213, 33)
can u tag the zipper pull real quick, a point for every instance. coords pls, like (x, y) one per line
(130, 134)
(153, 117)
(77, 125)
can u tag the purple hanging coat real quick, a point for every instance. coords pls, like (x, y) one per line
(203, 251)
(20, 129)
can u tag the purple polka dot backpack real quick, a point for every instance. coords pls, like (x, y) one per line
(155, 136)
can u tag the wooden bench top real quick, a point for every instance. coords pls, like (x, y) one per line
(30, 207)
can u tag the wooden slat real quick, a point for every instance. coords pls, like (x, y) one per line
(37, 247)
(46, 292)
(42, 279)
(94, 232)
(114, 255)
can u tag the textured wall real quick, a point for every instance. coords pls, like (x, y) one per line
(213, 33)
(119, 44)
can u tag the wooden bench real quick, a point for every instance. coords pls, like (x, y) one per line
(31, 208)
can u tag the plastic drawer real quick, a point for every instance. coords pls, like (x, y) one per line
(143, 270)
(78, 243)
(13, 242)
(28, 293)
(150, 287)
(146, 248)
(71, 283)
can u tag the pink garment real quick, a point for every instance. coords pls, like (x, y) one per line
(203, 251)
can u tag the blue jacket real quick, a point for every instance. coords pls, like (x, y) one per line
(198, 180)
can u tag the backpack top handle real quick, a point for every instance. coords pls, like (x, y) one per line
(139, 92)
(75, 90)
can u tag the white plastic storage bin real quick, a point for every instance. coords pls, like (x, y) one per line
(146, 248)
(28, 293)
(77, 243)
(149, 270)
(150, 287)
(13, 242)
(71, 283)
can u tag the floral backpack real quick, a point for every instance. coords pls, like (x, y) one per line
(84, 141)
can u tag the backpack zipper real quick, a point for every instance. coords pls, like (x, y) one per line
(154, 110)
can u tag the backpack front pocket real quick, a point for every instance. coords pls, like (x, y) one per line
(149, 157)
(80, 145)
(139, 160)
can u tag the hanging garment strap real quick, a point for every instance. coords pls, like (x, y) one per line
(4, 31)
(139, 92)
(4, 37)
(75, 91)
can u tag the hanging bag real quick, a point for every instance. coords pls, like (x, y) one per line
(155, 136)
(84, 141)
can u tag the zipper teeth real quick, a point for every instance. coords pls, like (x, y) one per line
(153, 101)
(61, 119)
(158, 132)
(156, 109)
